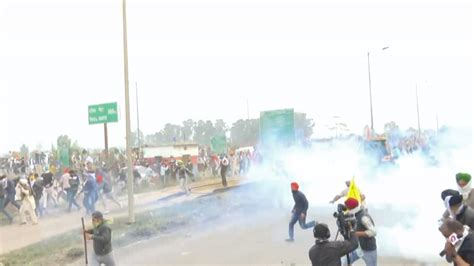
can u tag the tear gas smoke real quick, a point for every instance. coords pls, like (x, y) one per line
(403, 198)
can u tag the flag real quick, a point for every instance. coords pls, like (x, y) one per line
(353, 192)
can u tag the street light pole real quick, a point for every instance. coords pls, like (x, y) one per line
(138, 122)
(248, 116)
(418, 111)
(437, 125)
(370, 91)
(370, 95)
(131, 213)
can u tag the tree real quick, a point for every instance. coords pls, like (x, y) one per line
(338, 126)
(187, 129)
(391, 128)
(54, 153)
(199, 132)
(134, 138)
(244, 132)
(170, 133)
(304, 124)
(209, 132)
(220, 128)
(204, 131)
(39, 147)
(151, 140)
(64, 141)
(24, 151)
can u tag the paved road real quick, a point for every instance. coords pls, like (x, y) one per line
(242, 236)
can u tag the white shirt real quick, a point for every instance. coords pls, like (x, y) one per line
(371, 232)
(345, 191)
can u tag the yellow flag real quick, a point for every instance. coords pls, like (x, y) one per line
(354, 192)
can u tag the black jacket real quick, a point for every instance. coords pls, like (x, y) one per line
(182, 171)
(102, 236)
(329, 253)
(47, 179)
(301, 203)
(366, 243)
(466, 251)
(38, 190)
(466, 217)
(10, 187)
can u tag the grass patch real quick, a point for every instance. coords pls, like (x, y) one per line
(51, 250)
(68, 247)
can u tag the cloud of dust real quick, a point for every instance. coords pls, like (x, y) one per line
(403, 198)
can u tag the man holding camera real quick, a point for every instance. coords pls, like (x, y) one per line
(459, 246)
(365, 231)
(329, 253)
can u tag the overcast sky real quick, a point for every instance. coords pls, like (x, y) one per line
(204, 59)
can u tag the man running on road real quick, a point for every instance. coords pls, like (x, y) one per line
(298, 212)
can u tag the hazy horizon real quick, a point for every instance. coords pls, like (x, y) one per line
(205, 60)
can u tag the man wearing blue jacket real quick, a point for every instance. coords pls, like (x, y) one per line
(299, 212)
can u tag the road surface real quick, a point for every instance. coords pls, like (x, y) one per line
(245, 234)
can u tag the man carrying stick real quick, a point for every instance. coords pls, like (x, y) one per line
(102, 237)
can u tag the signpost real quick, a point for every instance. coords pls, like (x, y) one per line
(277, 127)
(219, 144)
(103, 114)
(63, 155)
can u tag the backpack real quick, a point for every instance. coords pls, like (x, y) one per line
(74, 182)
(38, 190)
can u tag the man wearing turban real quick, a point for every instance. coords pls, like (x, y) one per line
(365, 231)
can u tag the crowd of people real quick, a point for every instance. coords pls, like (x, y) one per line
(36, 195)
(37, 187)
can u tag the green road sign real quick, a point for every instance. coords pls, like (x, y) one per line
(63, 155)
(277, 127)
(219, 144)
(103, 113)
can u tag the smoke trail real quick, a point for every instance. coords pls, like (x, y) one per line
(404, 199)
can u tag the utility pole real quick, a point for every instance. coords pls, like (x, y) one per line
(437, 125)
(370, 95)
(248, 116)
(370, 91)
(131, 213)
(106, 140)
(138, 122)
(418, 111)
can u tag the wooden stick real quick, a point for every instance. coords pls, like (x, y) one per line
(84, 237)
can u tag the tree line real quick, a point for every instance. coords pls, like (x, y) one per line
(243, 132)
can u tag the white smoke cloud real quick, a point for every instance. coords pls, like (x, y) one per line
(404, 199)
